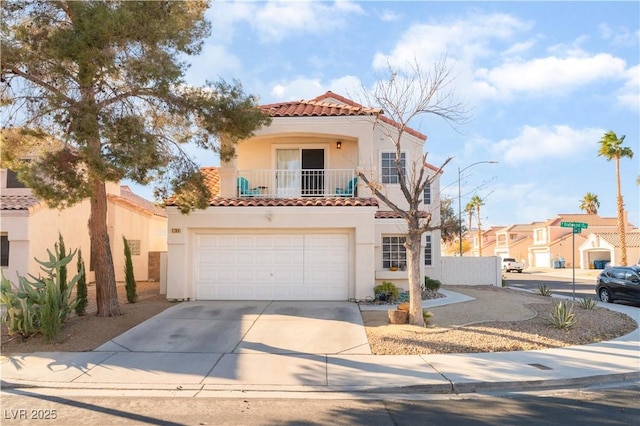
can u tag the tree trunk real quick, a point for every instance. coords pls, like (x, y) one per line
(621, 222)
(106, 293)
(479, 234)
(412, 246)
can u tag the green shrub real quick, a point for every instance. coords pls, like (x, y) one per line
(426, 316)
(544, 290)
(61, 254)
(431, 284)
(562, 316)
(81, 289)
(588, 304)
(130, 281)
(386, 291)
(39, 305)
(20, 313)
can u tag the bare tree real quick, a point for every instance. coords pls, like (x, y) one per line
(405, 95)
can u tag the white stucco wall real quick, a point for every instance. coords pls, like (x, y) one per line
(357, 221)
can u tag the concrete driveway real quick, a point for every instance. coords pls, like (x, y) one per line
(244, 327)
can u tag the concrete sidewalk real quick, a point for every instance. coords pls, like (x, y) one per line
(116, 369)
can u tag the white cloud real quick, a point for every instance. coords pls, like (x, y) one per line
(459, 39)
(619, 36)
(549, 75)
(276, 20)
(536, 143)
(629, 95)
(308, 88)
(389, 16)
(219, 62)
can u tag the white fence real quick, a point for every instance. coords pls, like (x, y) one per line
(468, 270)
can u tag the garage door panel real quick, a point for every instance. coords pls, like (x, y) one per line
(272, 266)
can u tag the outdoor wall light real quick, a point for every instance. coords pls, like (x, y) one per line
(339, 145)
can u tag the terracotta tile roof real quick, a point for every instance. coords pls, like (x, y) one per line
(127, 197)
(18, 202)
(590, 219)
(394, 215)
(315, 109)
(632, 238)
(212, 180)
(294, 202)
(331, 105)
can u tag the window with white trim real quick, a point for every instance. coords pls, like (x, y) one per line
(426, 199)
(389, 173)
(4, 250)
(428, 251)
(393, 252)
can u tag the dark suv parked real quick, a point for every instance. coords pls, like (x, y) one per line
(619, 283)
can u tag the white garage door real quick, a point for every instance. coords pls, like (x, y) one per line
(543, 260)
(272, 266)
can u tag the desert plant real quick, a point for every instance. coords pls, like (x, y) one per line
(130, 281)
(81, 289)
(386, 291)
(544, 290)
(39, 305)
(61, 253)
(426, 316)
(588, 304)
(562, 316)
(20, 313)
(431, 284)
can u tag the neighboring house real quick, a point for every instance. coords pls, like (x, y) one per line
(28, 227)
(551, 241)
(604, 247)
(288, 218)
(515, 240)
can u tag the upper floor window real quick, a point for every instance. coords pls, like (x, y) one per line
(388, 166)
(4, 250)
(427, 194)
(393, 252)
(13, 181)
(428, 251)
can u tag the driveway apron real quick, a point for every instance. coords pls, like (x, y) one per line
(235, 327)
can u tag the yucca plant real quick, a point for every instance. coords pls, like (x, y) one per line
(588, 304)
(544, 290)
(562, 316)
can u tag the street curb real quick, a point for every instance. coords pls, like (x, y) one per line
(440, 389)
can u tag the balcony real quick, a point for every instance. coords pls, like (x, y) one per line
(296, 183)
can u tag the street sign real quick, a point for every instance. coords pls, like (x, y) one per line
(577, 226)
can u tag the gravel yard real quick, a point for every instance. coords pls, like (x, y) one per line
(498, 320)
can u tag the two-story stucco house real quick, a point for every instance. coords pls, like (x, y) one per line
(289, 220)
(28, 227)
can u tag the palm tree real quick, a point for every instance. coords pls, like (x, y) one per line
(590, 203)
(469, 208)
(611, 148)
(475, 203)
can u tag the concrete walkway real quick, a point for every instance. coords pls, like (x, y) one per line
(272, 347)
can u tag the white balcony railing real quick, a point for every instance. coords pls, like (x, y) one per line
(297, 183)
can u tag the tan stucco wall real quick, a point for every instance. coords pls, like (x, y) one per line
(31, 235)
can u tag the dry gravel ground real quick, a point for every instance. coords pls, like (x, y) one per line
(497, 320)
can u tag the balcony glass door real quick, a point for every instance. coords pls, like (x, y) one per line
(312, 173)
(288, 172)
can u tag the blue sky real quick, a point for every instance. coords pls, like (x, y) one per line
(544, 80)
